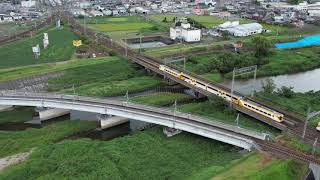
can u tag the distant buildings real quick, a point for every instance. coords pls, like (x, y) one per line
(183, 31)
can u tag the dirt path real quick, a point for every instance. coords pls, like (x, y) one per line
(14, 159)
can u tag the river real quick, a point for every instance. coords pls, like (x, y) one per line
(301, 82)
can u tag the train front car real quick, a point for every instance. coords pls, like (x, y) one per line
(264, 111)
(318, 127)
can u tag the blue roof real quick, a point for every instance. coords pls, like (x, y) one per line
(307, 41)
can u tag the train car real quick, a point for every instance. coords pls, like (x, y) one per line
(318, 127)
(264, 111)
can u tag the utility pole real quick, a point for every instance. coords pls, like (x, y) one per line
(140, 43)
(254, 81)
(127, 96)
(237, 120)
(126, 45)
(314, 146)
(306, 123)
(232, 86)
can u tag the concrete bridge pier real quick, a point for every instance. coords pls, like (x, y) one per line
(5, 108)
(315, 169)
(169, 132)
(50, 113)
(107, 121)
(194, 93)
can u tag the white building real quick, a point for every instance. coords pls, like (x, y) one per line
(5, 18)
(242, 30)
(28, 4)
(95, 13)
(185, 32)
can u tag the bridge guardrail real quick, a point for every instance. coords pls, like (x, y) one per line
(163, 111)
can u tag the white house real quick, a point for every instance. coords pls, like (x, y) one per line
(95, 13)
(185, 32)
(28, 4)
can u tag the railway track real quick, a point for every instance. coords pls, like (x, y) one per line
(292, 124)
(285, 152)
(28, 32)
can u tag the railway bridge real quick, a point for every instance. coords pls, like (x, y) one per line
(194, 124)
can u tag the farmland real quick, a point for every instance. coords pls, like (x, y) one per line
(19, 53)
(118, 27)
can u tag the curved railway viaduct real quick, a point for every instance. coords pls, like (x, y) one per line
(194, 124)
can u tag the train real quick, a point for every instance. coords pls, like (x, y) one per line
(318, 127)
(235, 99)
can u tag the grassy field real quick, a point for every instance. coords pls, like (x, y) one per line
(19, 53)
(117, 27)
(24, 71)
(143, 155)
(12, 142)
(160, 99)
(111, 76)
(18, 114)
(225, 115)
(116, 88)
(258, 167)
(291, 61)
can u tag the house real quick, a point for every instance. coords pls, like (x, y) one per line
(28, 4)
(5, 18)
(95, 13)
(184, 31)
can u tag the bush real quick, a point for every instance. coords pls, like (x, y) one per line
(261, 45)
(285, 91)
(113, 53)
(268, 86)
(217, 102)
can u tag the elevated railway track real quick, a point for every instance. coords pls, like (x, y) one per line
(288, 123)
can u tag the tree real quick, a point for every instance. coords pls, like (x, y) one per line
(285, 91)
(294, 1)
(261, 46)
(268, 86)
(164, 20)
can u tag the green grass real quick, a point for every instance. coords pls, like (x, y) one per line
(295, 143)
(257, 167)
(225, 115)
(20, 141)
(143, 155)
(115, 88)
(18, 114)
(160, 99)
(118, 27)
(19, 72)
(291, 61)
(19, 53)
(110, 77)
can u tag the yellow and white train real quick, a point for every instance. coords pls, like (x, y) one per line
(239, 100)
(318, 127)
